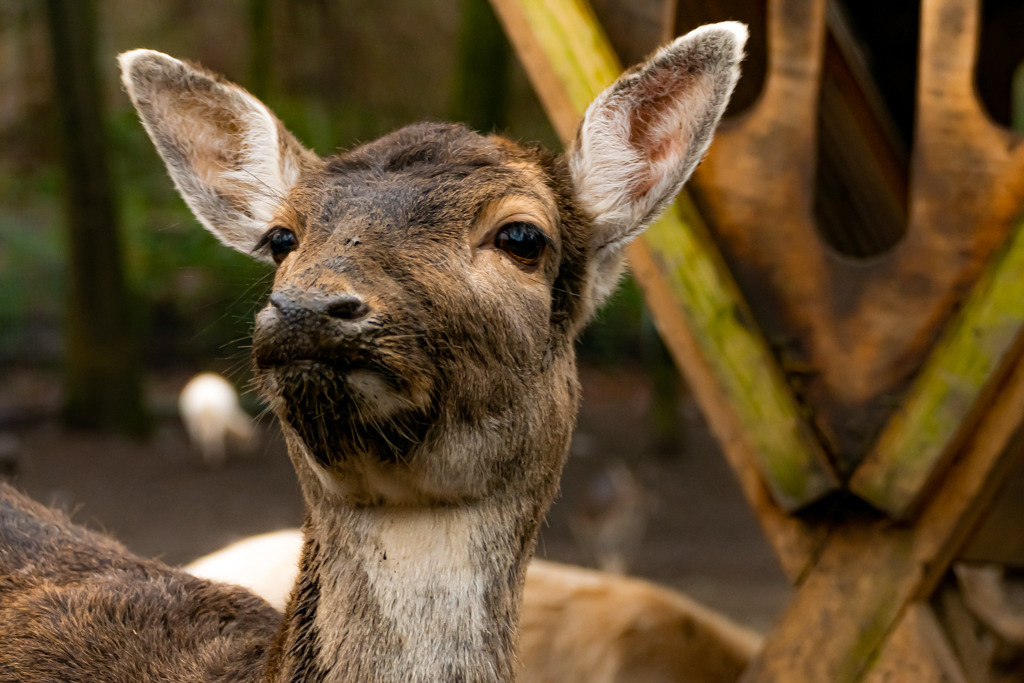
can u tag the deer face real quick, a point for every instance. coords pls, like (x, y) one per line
(418, 342)
(412, 323)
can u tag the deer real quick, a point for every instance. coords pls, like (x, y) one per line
(592, 626)
(266, 564)
(212, 415)
(417, 349)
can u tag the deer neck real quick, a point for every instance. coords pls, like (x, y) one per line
(408, 594)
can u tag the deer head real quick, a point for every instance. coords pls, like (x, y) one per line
(418, 342)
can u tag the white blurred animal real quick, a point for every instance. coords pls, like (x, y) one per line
(577, 625)
(210, 410)
(266, 564)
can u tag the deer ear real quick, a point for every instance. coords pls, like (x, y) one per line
(229, 157)
(643, 136)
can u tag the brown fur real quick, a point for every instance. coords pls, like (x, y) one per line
(424, 377)
(76, 606)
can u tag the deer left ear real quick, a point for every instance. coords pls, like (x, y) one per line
(642, 137)
(230, 158)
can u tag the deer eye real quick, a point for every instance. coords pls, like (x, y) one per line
(522, 241)
(281, 241)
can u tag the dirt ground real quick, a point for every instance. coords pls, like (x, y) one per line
(680, 517)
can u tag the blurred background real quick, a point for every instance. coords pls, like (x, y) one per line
(112, 295)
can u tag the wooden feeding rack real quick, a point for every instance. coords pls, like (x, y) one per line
(873, 432)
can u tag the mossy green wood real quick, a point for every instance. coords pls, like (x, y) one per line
(944, 401)
(789, 458)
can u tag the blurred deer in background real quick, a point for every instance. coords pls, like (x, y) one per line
(610, 517)
(212, 415)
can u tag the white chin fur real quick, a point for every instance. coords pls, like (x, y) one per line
(376, 396)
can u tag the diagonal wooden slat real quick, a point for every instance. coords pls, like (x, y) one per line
(794, 543)
(952, 389)
(733, 373)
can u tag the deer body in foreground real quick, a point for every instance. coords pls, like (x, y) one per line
(417, 349)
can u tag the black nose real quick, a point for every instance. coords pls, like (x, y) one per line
(309, 325)
(340, 306)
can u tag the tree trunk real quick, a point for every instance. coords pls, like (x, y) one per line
(481, 77)
(102, 375)
(261, 48)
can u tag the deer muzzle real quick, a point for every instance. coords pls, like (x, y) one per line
(301, 326)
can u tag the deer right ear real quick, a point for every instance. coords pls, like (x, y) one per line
(229, 156)
(643, 136)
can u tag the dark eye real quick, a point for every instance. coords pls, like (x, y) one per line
(523, 241)
(282, 242)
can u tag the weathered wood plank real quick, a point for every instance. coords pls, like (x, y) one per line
(565, 52)
(917, 650)
(569, 61)
(945, 399)
(868, 572)
(684, 257)
(794, 543)
(952, 387)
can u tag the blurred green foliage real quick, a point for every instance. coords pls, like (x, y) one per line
(195, 298)
(615, 337)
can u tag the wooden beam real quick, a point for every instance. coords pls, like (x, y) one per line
(732, 370)
(944, 402)
(917, 651)
(868, 572)
(795, 543)
(565, 52)
(684, 279)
